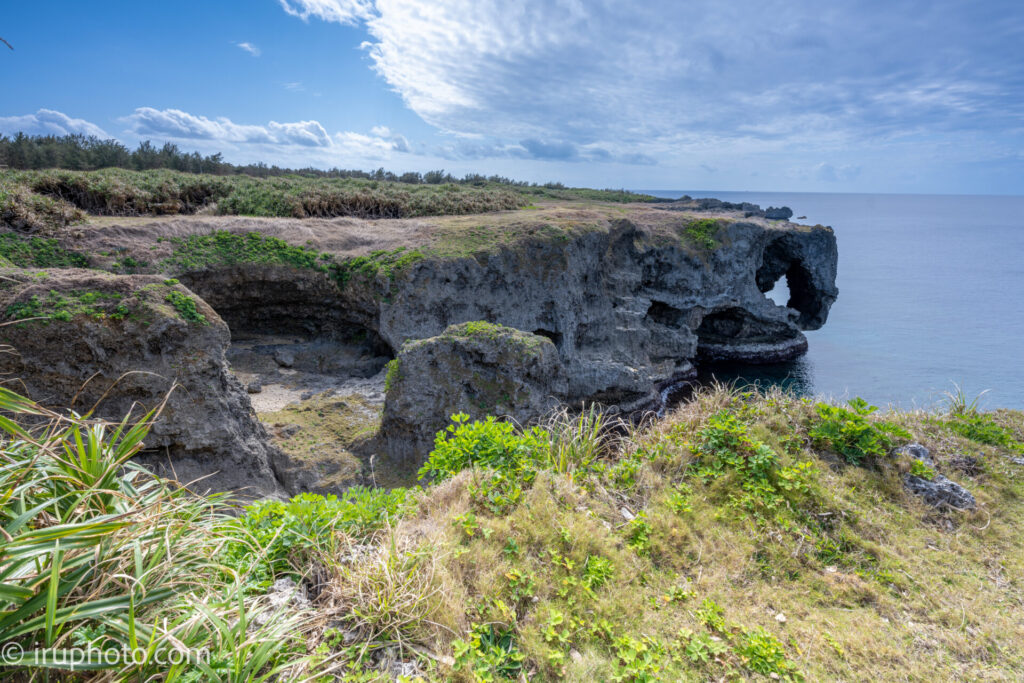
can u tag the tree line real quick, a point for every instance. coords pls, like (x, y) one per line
(89, 153)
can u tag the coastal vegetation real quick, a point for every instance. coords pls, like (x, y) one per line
(49, 182)
(745, 536)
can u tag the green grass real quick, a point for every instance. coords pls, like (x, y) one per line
(221, 248)
(38, 252)
(702, 233)
(736, 539)
(65, 306)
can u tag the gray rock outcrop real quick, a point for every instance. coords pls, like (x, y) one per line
(474, 368)
(782, 213)
(627, 298)
(118, 343)
(938, 491)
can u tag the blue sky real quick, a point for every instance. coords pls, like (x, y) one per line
(892, 96)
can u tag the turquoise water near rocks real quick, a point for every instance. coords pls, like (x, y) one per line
(931, 292)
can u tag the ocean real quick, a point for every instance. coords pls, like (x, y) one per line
(931, 294)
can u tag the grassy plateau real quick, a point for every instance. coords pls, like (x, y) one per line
(34, 200)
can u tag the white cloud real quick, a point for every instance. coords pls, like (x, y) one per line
(300, 138)
(339, 11)
(551, 79)
(174, 123)
(398, 142)
(49, 122)
(250, 48)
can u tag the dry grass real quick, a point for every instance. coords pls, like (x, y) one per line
(910, 593)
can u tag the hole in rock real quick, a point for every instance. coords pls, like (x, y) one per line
(780, 292)
(555, 337)
(786, 281)
(666, 314)
(737, 325)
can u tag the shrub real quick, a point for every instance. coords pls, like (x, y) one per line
(98, 552)
(513, 458)
(488, 444)
(724, 449)
(848, 431)
(702, 232)
(281, 538)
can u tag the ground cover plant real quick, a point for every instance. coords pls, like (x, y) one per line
(745, 536)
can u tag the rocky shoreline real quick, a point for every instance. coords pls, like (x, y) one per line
(621, 299)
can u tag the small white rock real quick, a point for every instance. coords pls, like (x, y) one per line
(627, 515)
(781, 618)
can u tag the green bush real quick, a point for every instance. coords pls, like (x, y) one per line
(282, 538)
(725, 449)
(512, 457)
(848, 431)
(702, 232)
(97, 552)
(489, 444)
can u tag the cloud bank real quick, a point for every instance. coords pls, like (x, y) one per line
(550, 79)
(49, 122)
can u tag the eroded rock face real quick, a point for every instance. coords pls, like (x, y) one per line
(939, 491)
(626, 299)
(120, 343)
(628, 313)
(474, 368)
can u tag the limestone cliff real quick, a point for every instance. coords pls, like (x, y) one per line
(631, 297)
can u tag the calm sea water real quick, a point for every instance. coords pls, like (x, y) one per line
(931, 292)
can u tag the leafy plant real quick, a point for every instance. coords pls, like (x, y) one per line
(702, 232)
(984, 429)
(725, 449)
(762, 653)
(95, 550)
(638, 535)
(848, 431)
(281, 538)
(186, 307)
(919, 469)
(597, 571)
(490, 653)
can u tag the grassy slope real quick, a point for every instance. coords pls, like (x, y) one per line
(724, 541)
(871, 585)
